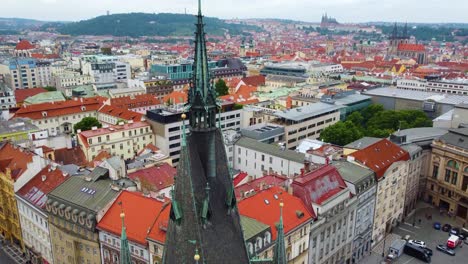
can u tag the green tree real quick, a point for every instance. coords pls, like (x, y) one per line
(221, 88)
(87, 123)
(356, 118)
(50, 88)
(341, 133)
(368, 112)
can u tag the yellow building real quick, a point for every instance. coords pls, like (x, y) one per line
(124, 140)
(13, 166)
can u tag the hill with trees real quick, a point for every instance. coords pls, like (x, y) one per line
(373, 121)
(143, 24)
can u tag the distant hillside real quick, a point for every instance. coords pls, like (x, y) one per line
(142, 24)
(19, 23)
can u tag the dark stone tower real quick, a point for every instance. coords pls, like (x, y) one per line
(204, 225)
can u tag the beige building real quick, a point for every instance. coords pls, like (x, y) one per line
(68, 79)
(447, 183)
(306, 122)
(390, 164)
(124, 140)
(74, 209)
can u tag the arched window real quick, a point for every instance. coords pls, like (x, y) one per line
(452, 164)
(250, 248)
(258, 244)
(267, 239)
(451, 172)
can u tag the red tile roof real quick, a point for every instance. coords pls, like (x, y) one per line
(257, 80)
(22, 94)
(140, 214)
(36, 190)
(101, 156)
(158, 230)
(239, 178)
(66, 156)
(74, 106)
(158, 177)
(112, 129)
(411, 47)
(136, 101)
(14, 158)
(380, 155)
(318, 186)
(120, 113)
(24, 45)
(264, 207)
(259, 184)
(176, 97)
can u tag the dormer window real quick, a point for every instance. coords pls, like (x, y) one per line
(44, 113)
(83, 108)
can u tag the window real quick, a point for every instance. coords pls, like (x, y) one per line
(447, 175)
(454, 178)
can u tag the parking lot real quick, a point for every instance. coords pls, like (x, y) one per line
(422, 231)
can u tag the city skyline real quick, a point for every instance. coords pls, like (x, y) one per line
(345, 11)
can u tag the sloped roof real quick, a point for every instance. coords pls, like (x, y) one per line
(24, 45)
(22, 94)
(259, 184)
(159, 177)
(411, 47)
(380, 156)
(75, 106)
(264, 207)
(159, 227)
(37, 189)
(120, 113)
(14, 158)
(135, 101)
(140, 215)
(256, 80)
(67, 156)
(318, 186)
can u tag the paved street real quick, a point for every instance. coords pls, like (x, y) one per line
(423, 231)
(5, 258)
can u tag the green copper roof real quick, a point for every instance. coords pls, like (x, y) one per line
(46, 97)
(252, 227)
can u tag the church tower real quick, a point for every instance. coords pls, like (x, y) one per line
(204, 216)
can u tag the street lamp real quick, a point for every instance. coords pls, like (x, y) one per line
(383, 248)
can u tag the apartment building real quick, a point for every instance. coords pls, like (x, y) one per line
(306, 121)
(159, 88)
(137, 103)
(390, 165)
(31, 200)
(73, 210)
(415, 163)
(324, 192)
(140, 212)
(18, 167)
(167, 126)
(265, 208)
(67, 80)
(124, 140)
(112, 115)
(447, 182)
(60, 117)
(22, 73)
(453, 86)
(361, 183)
(258, 159)
(105, 71)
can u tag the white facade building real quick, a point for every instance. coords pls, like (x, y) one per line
(258, 158)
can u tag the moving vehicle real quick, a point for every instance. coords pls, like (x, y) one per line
(446, 227)
(437, 225)
(418, 243)
(453, 241)
(417, 252)
(446, 250)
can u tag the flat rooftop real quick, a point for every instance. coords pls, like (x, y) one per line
(450, 99)
(304, 112)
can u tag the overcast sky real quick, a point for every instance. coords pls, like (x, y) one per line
(305, 10)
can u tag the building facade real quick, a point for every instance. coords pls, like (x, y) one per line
(447, 183)
(124, 140)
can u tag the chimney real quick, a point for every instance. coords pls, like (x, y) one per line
(44, 177)
(306, 166)
(302, 172)
(94, 128)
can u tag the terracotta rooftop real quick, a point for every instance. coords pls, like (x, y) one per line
(176, 97)
(112, 129)
(22, 94)
(259, 184)
(318, 186)
(264, 207)
(140, 215)
(380, 155)
(158, 177)
(256, 80)
(120, 113)
(67, 156)
(74, 106)
(36, 190)
(14, 158)
(136, 101)
(410, 47)
(24, 45)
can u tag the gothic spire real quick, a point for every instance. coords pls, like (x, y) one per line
(125, 256)
(395, 31)
(405, 31)
(279, 254)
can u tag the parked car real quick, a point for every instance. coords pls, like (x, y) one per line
(446, 228)
(437, 225)
(446, 250)
(418, 243)
(455, 231)
(428, 251)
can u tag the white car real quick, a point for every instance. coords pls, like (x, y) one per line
(418, 243)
